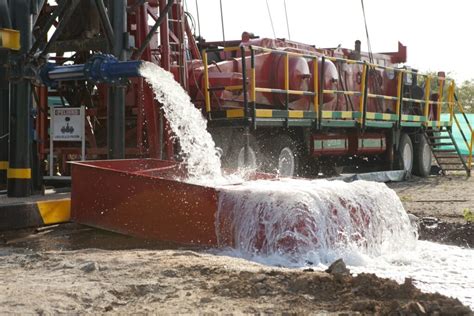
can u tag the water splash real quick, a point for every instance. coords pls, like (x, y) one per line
(295, 223)
(197, 148)
(313, 221)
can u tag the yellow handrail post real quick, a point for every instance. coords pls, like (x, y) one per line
(440, 97)
(470, 150)
(427, 97)
(450, 102)
(287, 70)
(207, 95)
(316, 84)
(399, 92)
(362, 92)
(253, 80)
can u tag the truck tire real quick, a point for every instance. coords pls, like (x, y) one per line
(235, 158)
(405, 154)
(283, 156)
(421, 157)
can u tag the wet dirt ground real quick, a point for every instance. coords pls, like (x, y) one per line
(440, 203)
(75, 269)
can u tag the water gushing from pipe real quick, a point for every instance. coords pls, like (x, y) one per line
(197, 148)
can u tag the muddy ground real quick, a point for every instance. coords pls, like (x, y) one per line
(71, 268)
(440, 203)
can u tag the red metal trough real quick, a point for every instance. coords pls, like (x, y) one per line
(143, 198)
(147, 198)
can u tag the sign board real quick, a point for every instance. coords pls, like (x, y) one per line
(68, 124)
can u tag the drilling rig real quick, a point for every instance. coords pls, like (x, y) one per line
(272, 104)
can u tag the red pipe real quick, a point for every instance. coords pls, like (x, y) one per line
(166, 64)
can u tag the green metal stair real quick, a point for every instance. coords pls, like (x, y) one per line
(445, 150)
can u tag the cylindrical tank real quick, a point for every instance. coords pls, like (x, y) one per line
(330, 80)
(299, 76)
(270, 74)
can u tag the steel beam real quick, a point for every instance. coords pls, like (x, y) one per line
(40, 41)
(116, 100)
(4, 121)
(95, 44)
(5, 21)
(63, 20)
(105, 21)
(163, 18)
(19, 165)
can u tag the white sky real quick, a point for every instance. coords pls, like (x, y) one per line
(437, 32)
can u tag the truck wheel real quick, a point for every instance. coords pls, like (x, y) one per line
(422, 157)
(235, 159)
(405, 153)
(283, 156)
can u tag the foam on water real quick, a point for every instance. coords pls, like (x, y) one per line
(301, 223)
(433, 267)
(313, 221)
(296, 223)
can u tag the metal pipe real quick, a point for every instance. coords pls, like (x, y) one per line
(100, 68)
(321, 91)
(253, 87)
(4, 120)
(244, 87)
(116, 100)
(20, 138)
(163, 14)
(5, 21)
(166, 65)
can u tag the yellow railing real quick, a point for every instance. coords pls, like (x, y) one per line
(317, 91)
(250, 90)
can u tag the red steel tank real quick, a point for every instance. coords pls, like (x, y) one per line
(225, 69)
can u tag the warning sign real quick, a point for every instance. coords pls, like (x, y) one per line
(68, 124)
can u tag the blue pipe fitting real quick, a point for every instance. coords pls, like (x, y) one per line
(100, 69)
(106, 68)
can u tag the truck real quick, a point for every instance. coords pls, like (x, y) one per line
(271, 104)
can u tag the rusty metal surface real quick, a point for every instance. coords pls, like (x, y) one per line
(140, 197)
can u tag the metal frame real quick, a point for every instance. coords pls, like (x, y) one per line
(364, 118)
(318, 119)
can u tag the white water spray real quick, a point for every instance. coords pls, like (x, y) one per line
(300, 222)
(198, 150)
(313, 221)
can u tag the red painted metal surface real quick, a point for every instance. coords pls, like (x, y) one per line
(354, 144)
(269, 69)
(145, 198)
(140, 197)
